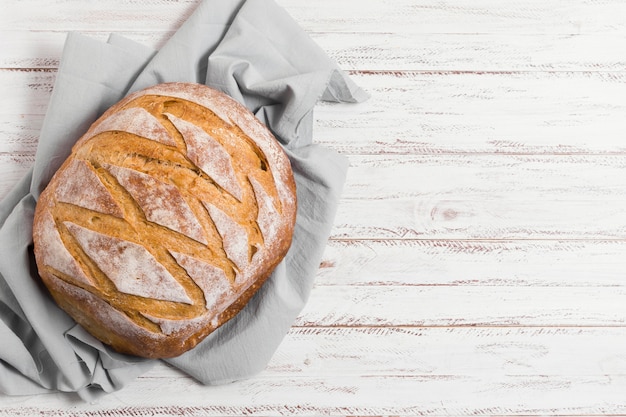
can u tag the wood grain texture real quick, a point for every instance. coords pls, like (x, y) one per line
(454, 16)
(447, 262)
(476, 112)
(476, 265)
(385, 51)
(399, 395)
(335, 371)
(439, 394)
(437, 112)
(484, 306)
(401, 16)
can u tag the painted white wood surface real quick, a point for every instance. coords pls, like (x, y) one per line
(477, 262)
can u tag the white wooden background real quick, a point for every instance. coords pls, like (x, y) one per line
(477, 265)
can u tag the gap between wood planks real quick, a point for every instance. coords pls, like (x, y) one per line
(400, 73)
(378, 327)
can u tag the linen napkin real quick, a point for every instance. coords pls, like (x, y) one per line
(253, 51)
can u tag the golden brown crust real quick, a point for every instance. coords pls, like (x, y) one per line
(170, 213)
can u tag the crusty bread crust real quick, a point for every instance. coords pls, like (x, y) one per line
(169, 214)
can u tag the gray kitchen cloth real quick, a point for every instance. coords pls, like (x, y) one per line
(253, 51)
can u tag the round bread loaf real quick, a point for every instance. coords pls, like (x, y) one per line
(169, 214)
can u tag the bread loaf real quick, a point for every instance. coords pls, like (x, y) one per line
(169, 214)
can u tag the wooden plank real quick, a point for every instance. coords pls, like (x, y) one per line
(386, 51)
(474, 52)
(18, 145)
(434, 113)
(450, 112)
(462, 197)
(114, 15)
(407, 16)
(514, 263)
(516, 178)
(20, 134)
(452, 219)
(483, 197)
(42, 49)
(26, 91)
(444, 306)
(324, 370)
(467, 196)
(509, 395)
(332, 352)
(453, 16)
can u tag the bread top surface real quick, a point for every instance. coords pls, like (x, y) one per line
(169, 214)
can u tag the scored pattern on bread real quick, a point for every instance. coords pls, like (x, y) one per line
(58, 257)
(267, 210)
(160, 202)
(234, 237)
(89, 192)
(169, 213)
(133, 269)
(209, 155)
(138, 121)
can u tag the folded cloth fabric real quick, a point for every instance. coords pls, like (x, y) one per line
(253, 51)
